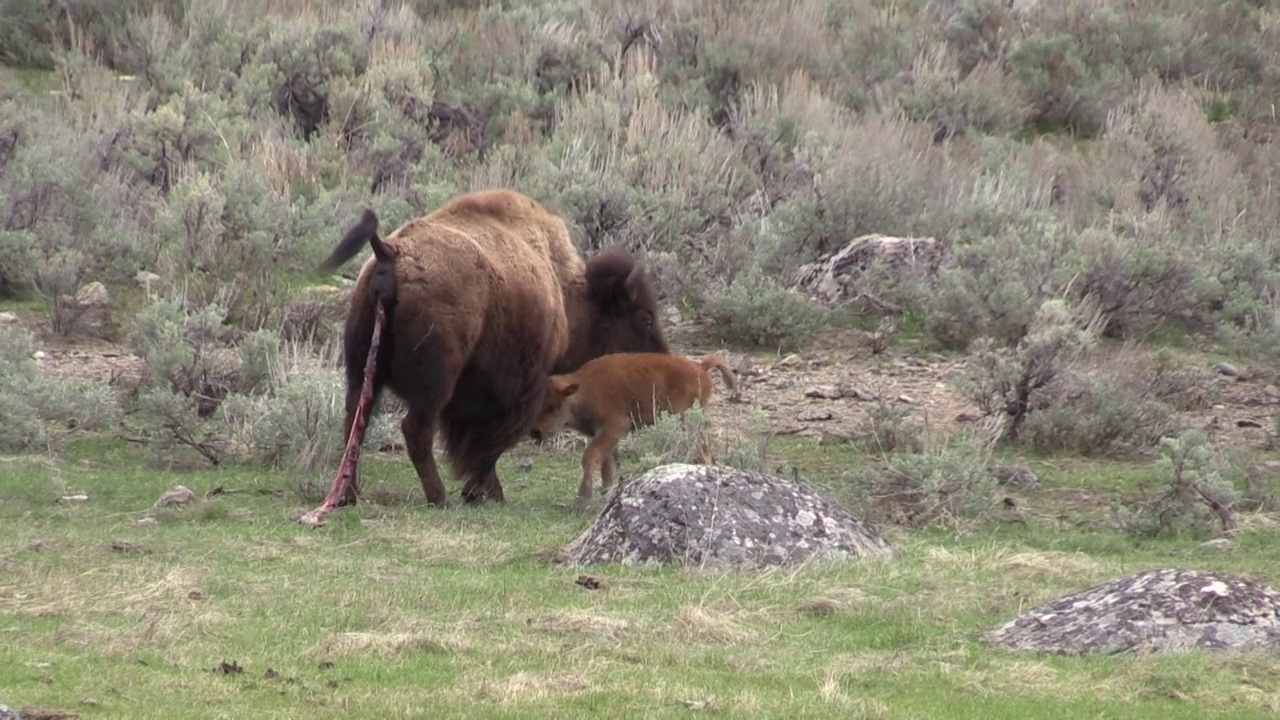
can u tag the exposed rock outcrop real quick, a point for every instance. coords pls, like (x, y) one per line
(1154, 611)
(713, 515)
(834, 279)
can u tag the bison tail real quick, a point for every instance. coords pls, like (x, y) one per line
(366, 230)
(715, 361)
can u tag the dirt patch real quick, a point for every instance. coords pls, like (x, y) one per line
(826, 392)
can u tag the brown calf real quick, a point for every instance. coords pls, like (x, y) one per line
(614, 394)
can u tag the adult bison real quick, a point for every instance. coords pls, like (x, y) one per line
(483, 300)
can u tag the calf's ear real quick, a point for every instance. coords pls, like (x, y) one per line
(569, 389)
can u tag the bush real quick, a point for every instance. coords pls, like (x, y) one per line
(1058, 391)
(1013, 381)
(39, 412)
(757, 311)
(1194, 494)
(728, 147)
(950, 488)
(298, 423)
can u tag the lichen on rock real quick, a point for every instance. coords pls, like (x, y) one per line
(1154, 611)
(713, 515)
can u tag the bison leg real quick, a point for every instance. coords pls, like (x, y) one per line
(488, 487)
(704, 448)
(608, 471)
(599, 454)
(343, 489)
(419, 440)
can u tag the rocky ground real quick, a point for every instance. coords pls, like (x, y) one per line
(828, 391)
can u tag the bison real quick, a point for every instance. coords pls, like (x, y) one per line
(483, 300)
(611, 395)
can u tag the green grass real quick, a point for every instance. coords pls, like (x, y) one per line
(397, 609)
(36, 81)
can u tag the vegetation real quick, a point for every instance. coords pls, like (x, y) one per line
(1101, 179)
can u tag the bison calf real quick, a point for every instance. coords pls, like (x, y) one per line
(613, 394)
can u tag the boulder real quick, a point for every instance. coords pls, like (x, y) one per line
(1154, 611)
(89, 311)
(834, 279)
(713, 515)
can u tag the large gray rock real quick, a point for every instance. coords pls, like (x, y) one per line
(7, 714)
(1153, 611)
(713, 515)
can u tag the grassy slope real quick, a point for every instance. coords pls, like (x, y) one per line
(459, 613)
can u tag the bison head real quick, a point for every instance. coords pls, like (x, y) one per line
(620, 312)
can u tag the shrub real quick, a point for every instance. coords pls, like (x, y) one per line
(298, 423)
(1093, 415)
(41, 412)
(950, 488)
(1060, 88)
(1194, 493)
(190, 369)
(1013, 381)
(757, 311)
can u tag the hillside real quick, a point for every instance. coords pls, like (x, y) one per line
(1098, 182)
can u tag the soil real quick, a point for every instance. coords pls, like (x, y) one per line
(829, 391)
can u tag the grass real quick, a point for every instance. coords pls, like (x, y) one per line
(396, 609)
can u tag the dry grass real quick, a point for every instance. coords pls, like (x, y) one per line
(388, 643)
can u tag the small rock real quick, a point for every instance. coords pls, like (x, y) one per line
(1248, 423)
(965, 417)
(824, 393)
(177, 496)
(671, 316)
(7, 714)
(791, 360)
(1228, 369)
(1271, 391)
(1017, 476)
(74, 499)
(850, 391)
(906, 399)
(783, 384)
(37, 355)
(147, 522)
(815, 415)
(93, 295)
(8, 318)
(743, 366)
(146, 279)
(1219, 544)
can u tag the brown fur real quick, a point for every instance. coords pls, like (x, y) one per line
(612, 395)
(489, 295)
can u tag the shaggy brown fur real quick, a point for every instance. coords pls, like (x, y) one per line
(485, 297)
(615, 394)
